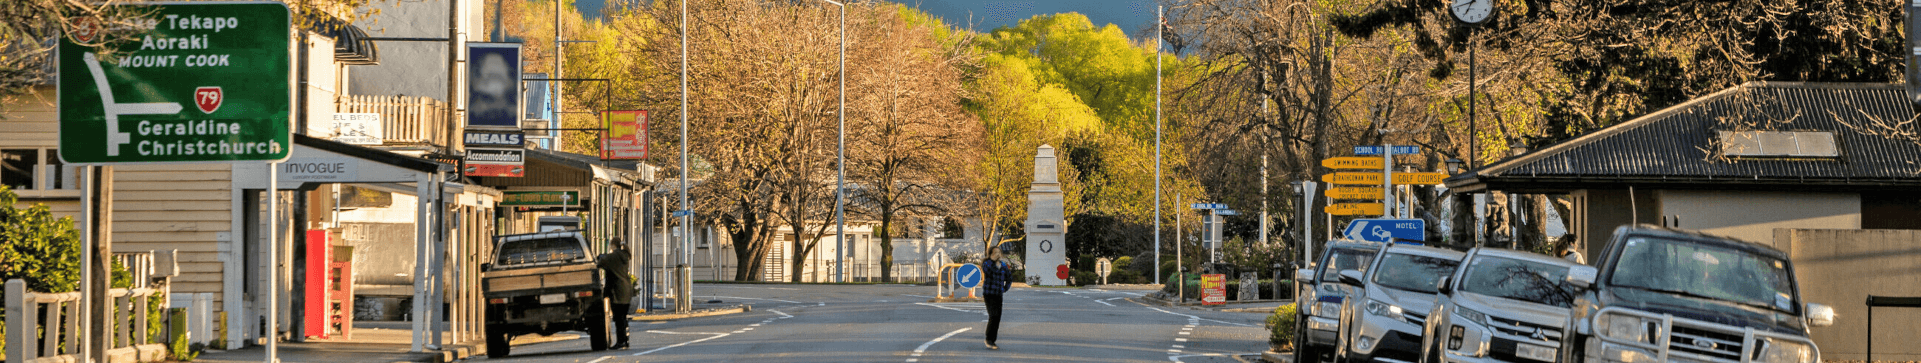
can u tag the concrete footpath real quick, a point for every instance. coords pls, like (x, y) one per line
(373, 341)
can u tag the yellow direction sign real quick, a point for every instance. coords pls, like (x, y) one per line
(1352, 162)
(1418, 178)
(1355, 193)
(1355, 209)
(1352, 178)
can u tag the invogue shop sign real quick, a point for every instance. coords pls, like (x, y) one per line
(198, 82)
(320, 170)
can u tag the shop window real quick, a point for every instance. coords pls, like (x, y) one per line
(16, 168)
(35, 169)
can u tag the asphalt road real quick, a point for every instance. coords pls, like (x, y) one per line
(895, 323)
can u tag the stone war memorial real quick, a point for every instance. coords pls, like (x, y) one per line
(1046, 224)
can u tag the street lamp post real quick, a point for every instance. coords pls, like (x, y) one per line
(840, 158)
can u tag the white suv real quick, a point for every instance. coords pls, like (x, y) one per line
(1503, 306)
(1383, 321)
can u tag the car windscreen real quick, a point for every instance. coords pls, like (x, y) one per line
(1530, 281)
(1345, 259)
(540, 250)
(1413, 272)
(1704, 271)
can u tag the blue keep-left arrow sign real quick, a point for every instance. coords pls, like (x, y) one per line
(1383, 229)
(968, 276)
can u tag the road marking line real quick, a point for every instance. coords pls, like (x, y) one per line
(823, 304)
(682, 343)
(739, 331)
(1179, 346)
(1173, 350)
(749, 287)
(754, 325)
(923, 346)
(782, 315)
(1180, 339)
(1103, 303)
(950, 308)
(1184, 333)
(1191, 317)
(747, 298)
(601, 359)
(925, 296)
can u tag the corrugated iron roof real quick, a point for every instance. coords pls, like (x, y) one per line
(1679, 144)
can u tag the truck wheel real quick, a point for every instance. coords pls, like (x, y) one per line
(497, 335)
(599, 326)
(496, 342)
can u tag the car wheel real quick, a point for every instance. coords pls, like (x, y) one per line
(599, 326)
(1303, 353)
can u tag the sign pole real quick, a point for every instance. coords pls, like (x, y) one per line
(1308, 190)
(273, 262)
(1387, 180)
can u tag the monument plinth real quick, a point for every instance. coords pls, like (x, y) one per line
(1046, 223)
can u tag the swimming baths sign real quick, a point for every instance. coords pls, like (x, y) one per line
(198, 82)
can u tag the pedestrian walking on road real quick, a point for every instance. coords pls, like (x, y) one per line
(620, 289)
(998, 276)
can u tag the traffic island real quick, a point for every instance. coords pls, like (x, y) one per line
(1277, 357)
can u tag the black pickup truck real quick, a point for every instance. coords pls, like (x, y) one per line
(544, 283)
(1666, 295)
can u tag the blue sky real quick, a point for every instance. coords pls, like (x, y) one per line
(1130, 15)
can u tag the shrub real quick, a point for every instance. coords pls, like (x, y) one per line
(1280, 326)
(36, 247)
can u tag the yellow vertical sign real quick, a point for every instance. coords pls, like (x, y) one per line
(1353, 162)
(1355, 209)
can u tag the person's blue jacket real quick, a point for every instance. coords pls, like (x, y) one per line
(998, 276)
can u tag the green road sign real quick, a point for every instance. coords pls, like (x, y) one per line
(540, 198)
(203, 82)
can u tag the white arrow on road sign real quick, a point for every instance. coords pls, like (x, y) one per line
(1381, 229)
(115, 138)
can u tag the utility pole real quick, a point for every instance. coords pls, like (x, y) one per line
(1160, 26)
(684, 300)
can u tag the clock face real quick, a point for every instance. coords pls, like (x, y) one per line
(1472, 11)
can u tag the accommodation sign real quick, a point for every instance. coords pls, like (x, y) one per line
(195, 82)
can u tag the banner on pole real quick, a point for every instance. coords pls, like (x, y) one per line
(626, 135)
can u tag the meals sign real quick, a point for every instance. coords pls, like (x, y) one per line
(192, 82)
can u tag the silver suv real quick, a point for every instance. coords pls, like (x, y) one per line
(1322, 294)
(1502, 306)
(1383, 319)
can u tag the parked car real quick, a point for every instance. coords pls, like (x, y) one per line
(1321, 296)
(1501, 306)
(1383, 319)
(544, 283)
(1661, 294)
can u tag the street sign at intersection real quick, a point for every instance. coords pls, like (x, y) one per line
(1352, 162)
(1373, 193)
(205, 82)
(1380, 230)
(1354, 209)
(1352, 178)
(1376, 150)
(1419, 178)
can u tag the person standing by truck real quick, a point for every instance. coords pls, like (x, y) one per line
(620, 290)
(998, 276)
